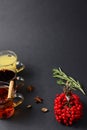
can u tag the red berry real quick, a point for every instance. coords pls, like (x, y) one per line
(67, 112)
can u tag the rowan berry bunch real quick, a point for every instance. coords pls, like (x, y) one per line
(67, 112)
(67, 106)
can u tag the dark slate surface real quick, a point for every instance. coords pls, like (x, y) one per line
(45, 34)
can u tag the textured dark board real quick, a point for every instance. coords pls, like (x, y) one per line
(45, 34)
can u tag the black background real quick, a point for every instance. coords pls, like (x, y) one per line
(45, 34)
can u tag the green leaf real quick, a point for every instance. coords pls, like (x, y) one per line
(60, 82)
(63, 78)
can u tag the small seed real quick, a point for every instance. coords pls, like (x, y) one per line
(38, 99)
(44, 109)
(29, 106)
(30, 88)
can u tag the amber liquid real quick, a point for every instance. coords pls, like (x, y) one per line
(6, 106)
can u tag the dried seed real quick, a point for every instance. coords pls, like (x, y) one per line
(44, 109)
(30, 88)
(38, 99)
(29, 106)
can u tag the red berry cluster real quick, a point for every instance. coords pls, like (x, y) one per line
(67, 111)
